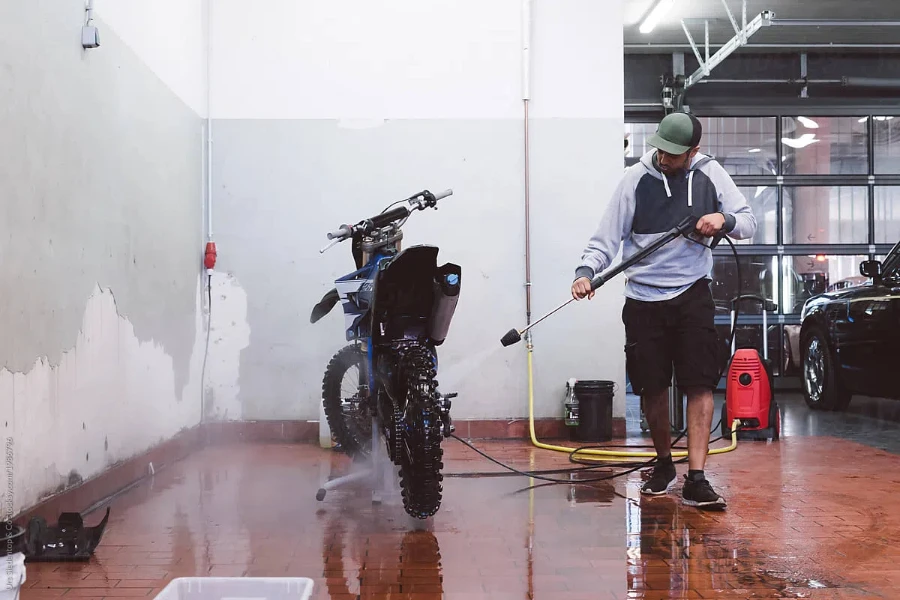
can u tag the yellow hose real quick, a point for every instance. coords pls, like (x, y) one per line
(603, 455)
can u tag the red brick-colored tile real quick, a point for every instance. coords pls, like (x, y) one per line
(801, 515)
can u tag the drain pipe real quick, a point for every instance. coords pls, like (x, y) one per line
(210, 254)
(209, 139)
(526, 96)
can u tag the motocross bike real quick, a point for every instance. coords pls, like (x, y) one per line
(397, 305)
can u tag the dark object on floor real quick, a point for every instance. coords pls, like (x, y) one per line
(69, 540)
(12, 539)
(595, 403)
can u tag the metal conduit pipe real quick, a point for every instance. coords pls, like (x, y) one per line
(777, 81)
(526, 96)
(669, 47)
(876, 82)
(841, 23)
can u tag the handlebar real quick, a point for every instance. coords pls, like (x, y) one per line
(344, 231)
(420, 201)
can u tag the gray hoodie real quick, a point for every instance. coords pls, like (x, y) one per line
(646, 205)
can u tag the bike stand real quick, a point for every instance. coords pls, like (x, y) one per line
(378, 471)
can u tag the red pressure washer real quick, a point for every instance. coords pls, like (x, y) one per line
(750, 387)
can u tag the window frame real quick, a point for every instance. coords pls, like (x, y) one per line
(871, 180)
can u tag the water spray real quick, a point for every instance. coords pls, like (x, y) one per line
(687, 225)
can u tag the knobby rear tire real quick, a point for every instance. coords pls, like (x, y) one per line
(420, 458)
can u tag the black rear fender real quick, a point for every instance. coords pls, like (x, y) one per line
(405, 294)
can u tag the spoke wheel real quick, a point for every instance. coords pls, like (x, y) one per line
(822, 386)
(345, 397)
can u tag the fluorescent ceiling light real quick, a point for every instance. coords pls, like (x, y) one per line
(659, 11)
(802, 142)
(753, 150)
(808, 123)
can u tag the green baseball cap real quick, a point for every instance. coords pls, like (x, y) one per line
(677, 133)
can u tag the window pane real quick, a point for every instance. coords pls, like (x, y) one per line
(887, 215)
(807, 276)
(758, 276)
(824, 146)
(887, 145)
(750, 336)
(826, 215)
(763, 201)
(742, 145)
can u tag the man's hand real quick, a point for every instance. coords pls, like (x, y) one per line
(582, 288)
(710, 225)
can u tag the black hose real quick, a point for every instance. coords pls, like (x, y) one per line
(632, 467)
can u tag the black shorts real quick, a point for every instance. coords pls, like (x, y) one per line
(679, 332)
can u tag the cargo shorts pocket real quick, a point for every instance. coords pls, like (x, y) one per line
(648, 367)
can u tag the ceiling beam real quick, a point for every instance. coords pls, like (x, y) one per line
(763, 19)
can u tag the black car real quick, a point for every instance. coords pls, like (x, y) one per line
(850, 338)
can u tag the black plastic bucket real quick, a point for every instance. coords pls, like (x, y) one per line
(595, 407)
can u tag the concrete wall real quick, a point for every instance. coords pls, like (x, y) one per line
(326, 112)
(101, 175)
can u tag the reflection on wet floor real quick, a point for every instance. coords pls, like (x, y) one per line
(871, 421)
(808, 517)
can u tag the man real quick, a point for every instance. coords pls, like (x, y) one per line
(669, 310)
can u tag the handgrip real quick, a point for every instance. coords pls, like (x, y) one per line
(443, 194)
(343, 232)
(687, 225)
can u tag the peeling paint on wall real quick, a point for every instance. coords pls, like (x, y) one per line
(109, 399)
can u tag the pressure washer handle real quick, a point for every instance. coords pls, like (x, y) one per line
(769, 305)
(687, 225)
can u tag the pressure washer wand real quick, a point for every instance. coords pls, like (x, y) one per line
(686, 226)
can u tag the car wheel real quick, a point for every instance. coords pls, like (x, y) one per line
(822, 388)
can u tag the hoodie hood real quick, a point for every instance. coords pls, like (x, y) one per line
(648, 160)
(649, 163)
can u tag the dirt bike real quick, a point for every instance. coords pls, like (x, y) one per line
(398, 305)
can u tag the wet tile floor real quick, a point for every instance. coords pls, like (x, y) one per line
(811, 516)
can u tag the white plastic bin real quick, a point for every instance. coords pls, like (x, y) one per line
(237, 588)
(12, 575)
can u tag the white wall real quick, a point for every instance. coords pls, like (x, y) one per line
(325, 112)
(169, 36)
(102, 180)
(445, 59)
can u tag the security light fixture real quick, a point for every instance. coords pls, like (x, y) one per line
(659, 11)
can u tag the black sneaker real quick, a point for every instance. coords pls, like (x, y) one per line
(699, 493)
(661, 479)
